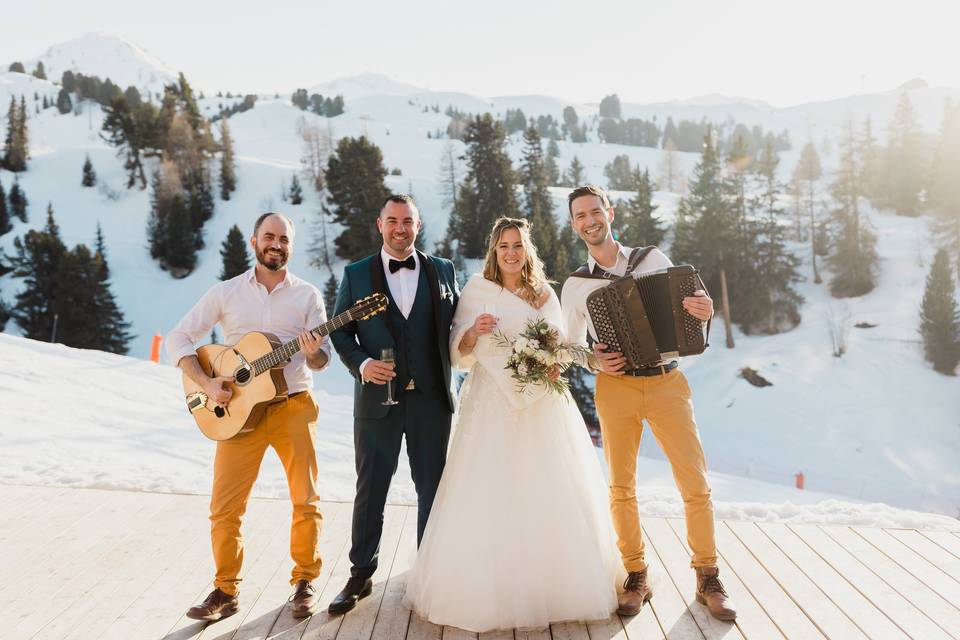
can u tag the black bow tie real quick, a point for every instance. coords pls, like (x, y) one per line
(396, 265)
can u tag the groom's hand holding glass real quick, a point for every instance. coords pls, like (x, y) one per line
(379, 372)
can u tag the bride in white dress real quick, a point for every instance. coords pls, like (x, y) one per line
(519, 534)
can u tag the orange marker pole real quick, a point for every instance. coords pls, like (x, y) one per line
(800, 478)
(155, 348)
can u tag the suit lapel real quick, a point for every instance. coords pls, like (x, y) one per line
(434, 281)
(379, 285)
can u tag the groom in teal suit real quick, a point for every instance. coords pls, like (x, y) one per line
(423, 295)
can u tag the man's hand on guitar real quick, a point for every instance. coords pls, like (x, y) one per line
(218, 391)
(609, 362)
(378, 372)
(699, 305)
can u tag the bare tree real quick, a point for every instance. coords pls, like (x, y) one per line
(838, 322)
(317, 147)
(808, 172)
(671, 174)
(450, 170)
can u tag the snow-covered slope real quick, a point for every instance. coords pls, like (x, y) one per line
(119, 422)
(106, 56)
(877, 424)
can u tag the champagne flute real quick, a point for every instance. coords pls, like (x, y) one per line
(386, 355)
(491, 308)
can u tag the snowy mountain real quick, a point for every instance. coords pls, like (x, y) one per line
(875, 425)
(106, 56)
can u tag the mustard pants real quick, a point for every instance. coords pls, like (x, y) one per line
(289, 428)
(664, 401)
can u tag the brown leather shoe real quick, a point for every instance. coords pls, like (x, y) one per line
(636, 591)
(217, 606)
(304, 599)
(710, 592)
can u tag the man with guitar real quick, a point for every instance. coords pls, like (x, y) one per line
(267, 298)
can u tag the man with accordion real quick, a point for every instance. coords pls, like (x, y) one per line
(642, 313)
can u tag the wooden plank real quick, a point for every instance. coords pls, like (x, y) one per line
(14, 497)
(908, 618)
(912, 562)
(79, 566)
(945, 541)
(393, 620)
(323, 626)
(861, 611)
(671, 613)
(163, 601)
(333, 539)
(934, 553)
(69, 607)
(752, 620)
(28, 509)
(39, 542)
(828, 617)
(453, 633)
(498, 635)
(530, 634)
(421, 629)
(259, 529)
(776, 603)
(677, 561)
(942, 612)
(612, 629)
(358, 624)
(569, 631)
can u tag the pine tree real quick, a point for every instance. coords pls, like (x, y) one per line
(704, 231)
(574, 177)
(488, 190)
(354, 176)
(181, 256)
(228, 175)
(944, 192)
(806, 174)
(869, 178)
(38, 259)
(670, 171)
(111, 330)
(236, 259)
(330, 293)
(18, 201)
(550, 164)
(940, 317)
(64, 102)
(854, 257)
(620, 175)
(5, 224)
(296, 191)
(636, 224)
(89, 175)
(40, 73)
(16, 145)
(122, 131)
(538, 204)
(903, 161)
(17, 67)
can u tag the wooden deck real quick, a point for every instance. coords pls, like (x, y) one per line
(90, 564)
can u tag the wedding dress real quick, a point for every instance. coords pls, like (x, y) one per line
(519, 534)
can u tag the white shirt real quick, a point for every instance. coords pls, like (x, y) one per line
(403, 286)
(573, 298)
(241, 305)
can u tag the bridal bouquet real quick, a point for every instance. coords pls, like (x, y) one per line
(535, 351)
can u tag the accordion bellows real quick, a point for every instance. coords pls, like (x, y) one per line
(643, 316)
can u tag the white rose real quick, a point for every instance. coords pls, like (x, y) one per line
(519, 344)
(522, 369)
(535, 344)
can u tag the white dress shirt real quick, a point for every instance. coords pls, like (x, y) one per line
(573, 298)
(241, 305)
(403, 286)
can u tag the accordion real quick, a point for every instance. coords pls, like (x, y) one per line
(643, 316)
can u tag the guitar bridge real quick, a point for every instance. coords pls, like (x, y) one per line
(196, 401)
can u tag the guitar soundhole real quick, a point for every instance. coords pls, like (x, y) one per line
(243, 376)
(219, 412)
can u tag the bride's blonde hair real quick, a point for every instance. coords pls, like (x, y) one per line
(532, 277)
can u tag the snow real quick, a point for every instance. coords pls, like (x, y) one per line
(877, 425)
(116, 422)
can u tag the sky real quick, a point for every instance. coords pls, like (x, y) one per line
(783, 53)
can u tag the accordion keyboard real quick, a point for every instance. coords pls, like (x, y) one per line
(692, 328)
(603, 325)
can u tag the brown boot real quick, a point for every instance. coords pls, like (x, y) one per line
(218, 605)
(304, 599)
(636, 591)
(710, 593)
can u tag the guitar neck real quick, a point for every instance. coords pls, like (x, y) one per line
(288, 350)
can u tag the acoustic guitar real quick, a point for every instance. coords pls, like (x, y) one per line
(256, 364)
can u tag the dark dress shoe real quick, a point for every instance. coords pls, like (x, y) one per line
(347, 599)
(217, 606)
(304, 600)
